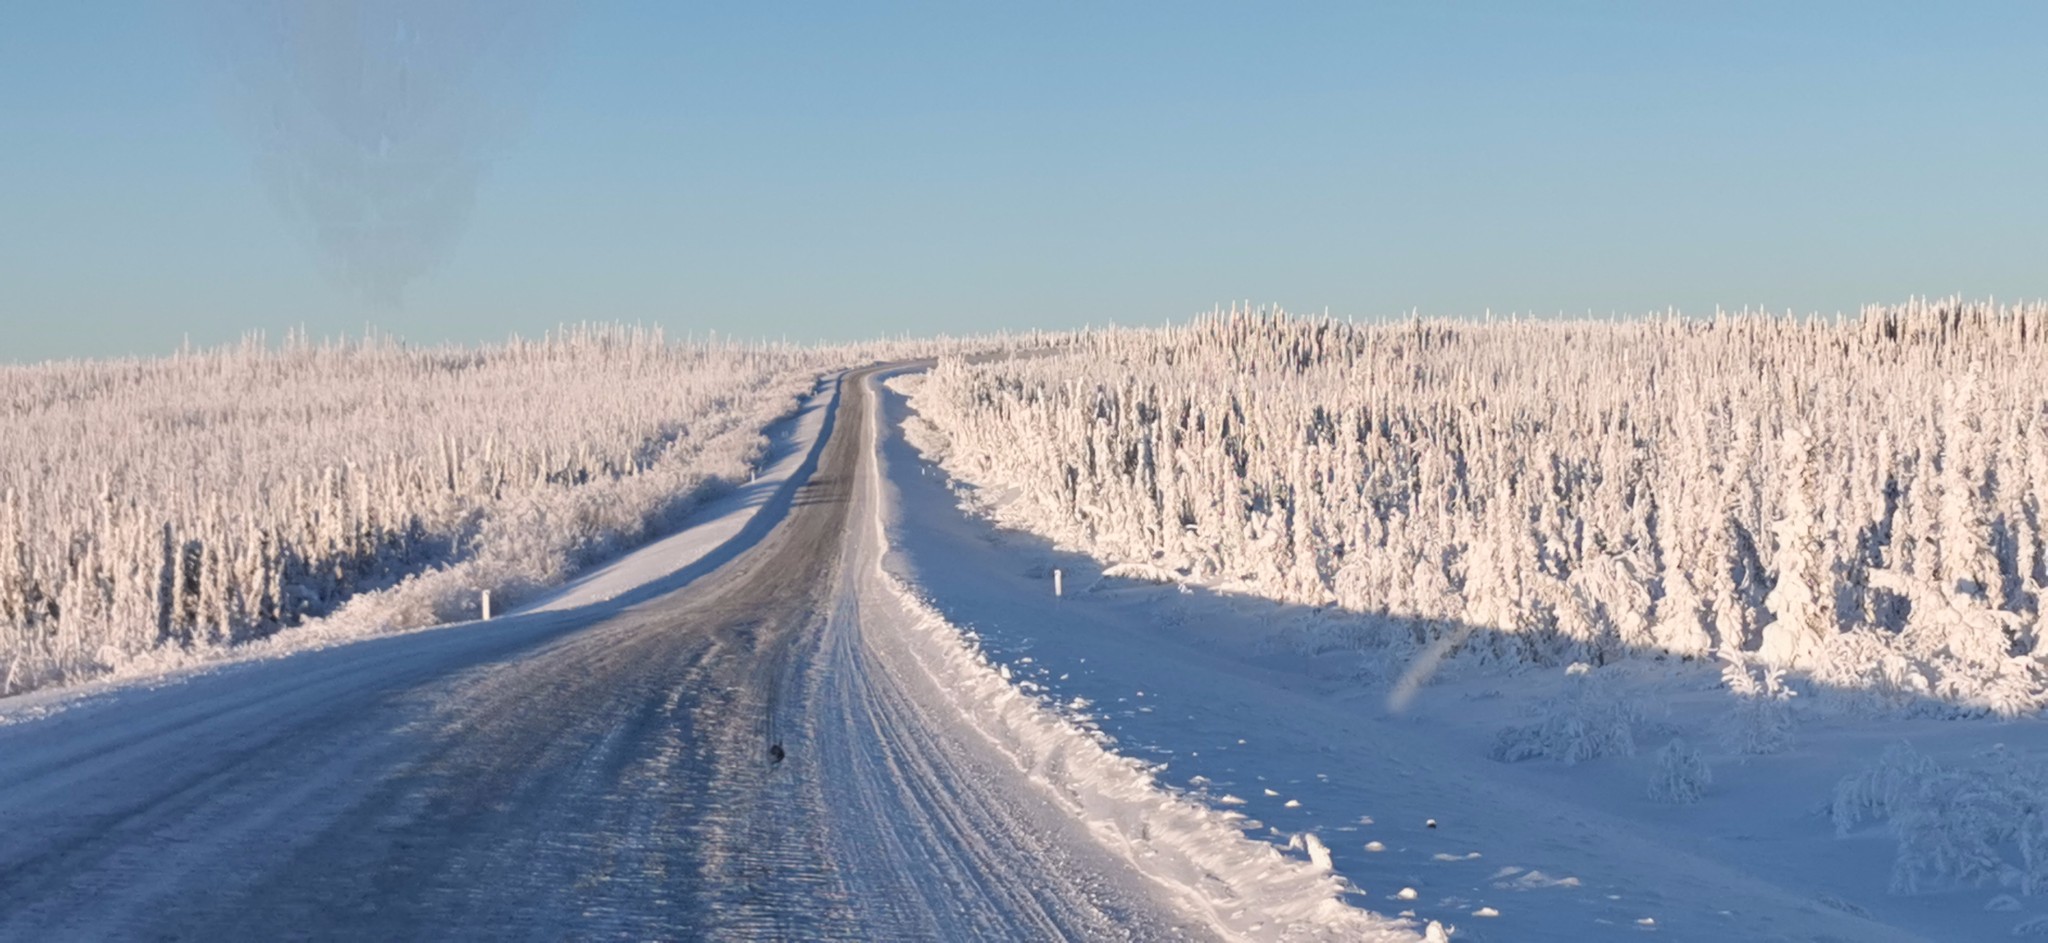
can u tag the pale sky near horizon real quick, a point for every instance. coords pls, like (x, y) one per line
(168, 171)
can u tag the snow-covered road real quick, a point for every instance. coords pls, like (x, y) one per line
(603, 769)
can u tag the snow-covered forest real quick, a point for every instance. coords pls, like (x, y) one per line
(1850, 506)
(218, 496)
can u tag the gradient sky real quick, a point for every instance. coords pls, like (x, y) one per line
(839, 170)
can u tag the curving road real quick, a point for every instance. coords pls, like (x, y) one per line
(600, 773)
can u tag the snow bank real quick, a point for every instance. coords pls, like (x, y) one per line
(1246, 889)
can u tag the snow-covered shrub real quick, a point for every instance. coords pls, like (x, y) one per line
(1985, 822)
(1760, 718)
(1951, 830)
(1587, 719)
(1318, 633)
(1887, 785)
(1680, 776)
(1859, 675)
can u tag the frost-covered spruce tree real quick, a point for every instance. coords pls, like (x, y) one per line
(1610, 606)
(1681, 609)
(1967, 567)
(1801, 599)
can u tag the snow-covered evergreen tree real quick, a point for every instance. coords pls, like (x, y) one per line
(1801, 600)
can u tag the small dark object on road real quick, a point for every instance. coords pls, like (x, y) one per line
(775, 753)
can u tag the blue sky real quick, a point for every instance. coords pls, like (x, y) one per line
(847, 170)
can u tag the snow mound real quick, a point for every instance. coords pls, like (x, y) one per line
(1146, 572)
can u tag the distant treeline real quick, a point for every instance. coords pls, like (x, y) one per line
(1858, 501)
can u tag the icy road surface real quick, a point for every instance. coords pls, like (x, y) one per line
(597, 771)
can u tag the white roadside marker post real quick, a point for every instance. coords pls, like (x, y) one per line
(1056, 583)
(487, 605)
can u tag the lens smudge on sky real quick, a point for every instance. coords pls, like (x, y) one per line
(373, 121)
